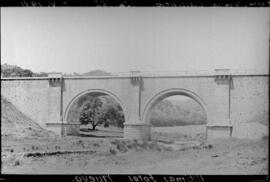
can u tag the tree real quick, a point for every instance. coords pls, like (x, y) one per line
(115, 116)
(25, 73)
(92, 113)
(109, 113)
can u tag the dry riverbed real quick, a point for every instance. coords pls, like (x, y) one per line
(84, 155)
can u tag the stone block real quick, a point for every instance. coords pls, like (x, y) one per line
(216, 131)
(73, 129)
(55, 127)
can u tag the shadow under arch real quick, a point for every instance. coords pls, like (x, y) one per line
(171, 92)
(94, 92)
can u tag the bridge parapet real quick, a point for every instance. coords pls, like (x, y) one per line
(196, 72)
(132, 74)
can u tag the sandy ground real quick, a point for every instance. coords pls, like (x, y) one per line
(170, 152)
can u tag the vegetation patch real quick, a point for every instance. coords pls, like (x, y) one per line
(17, 163)
(126, 145)
(112, 151)
(42, 154)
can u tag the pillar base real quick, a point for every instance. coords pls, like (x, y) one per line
(219, 131)
(55, 128)
(139, 131)
(72, 129)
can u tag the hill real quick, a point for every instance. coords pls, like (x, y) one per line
(14, 123)
(97, 73)
(16, 71)
(177, 113)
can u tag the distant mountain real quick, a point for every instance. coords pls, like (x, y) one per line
(97, 73)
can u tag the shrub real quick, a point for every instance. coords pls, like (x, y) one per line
(121, 147)
(208, 146)
(129, 146)
(196, 147)
(79, 142)
(17, 163)
(112, 151)
(144, 145)
(34, 148)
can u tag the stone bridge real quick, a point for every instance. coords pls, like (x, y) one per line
(228, 97)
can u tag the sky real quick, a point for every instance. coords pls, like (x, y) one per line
(121, 39)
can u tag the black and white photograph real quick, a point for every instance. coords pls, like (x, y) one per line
(135, 90)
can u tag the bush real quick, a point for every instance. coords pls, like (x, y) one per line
(196, 147)
(106, 125)
(17, 163)
(34, 148)
(121, 147)
(112, 151)
(210, 146)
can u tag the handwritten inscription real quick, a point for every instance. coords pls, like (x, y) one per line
(150, 178)
(183, 179)
(101, 178)
(140, 178)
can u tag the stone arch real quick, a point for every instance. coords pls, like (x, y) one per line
(171, 92)
(96, 92)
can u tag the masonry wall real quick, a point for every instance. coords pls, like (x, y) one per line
(249, 104)
(249, 99)
(29, 96)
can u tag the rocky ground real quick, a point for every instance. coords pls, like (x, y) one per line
(73, 155)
